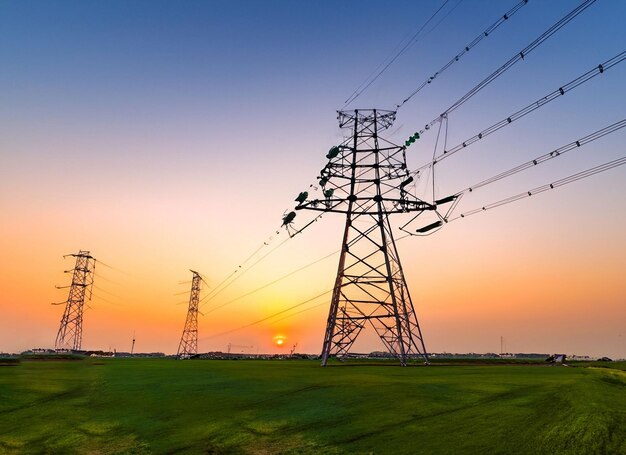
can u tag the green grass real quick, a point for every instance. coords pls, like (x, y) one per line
(167, 406)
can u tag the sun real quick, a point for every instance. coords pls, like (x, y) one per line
(279, 340)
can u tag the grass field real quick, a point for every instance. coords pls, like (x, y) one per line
(170, 406)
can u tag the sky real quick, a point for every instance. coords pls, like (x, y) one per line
(168, 136)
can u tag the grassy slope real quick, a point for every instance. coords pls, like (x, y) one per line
(166, 406)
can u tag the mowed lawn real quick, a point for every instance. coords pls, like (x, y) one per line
(202, 406)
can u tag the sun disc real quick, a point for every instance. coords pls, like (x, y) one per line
(279, 340)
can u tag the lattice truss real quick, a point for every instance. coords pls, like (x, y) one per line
(70, 334)
(189, 340)
(366, 178)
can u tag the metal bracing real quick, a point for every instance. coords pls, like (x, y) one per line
(189, 340)
(70, 334)
(365, 178)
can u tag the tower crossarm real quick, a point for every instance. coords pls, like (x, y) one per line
(396, 205)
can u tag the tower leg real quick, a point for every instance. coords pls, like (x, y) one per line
(370, 288)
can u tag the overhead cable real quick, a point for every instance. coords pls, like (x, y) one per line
(210, 297)
(548, 156)
(466, 49)
(600, 69)
(270, 283)
(225, 282)
(269, 317)
(540, 189)
(516, 58)
(373, 77)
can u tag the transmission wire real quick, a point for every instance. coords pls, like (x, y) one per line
(548, 156)
(218, 289)
(268, 317)
(540, 189)
(210, 297)
(260, 288)
(466, 49)
(519, 56)
(570, 179)
(411, 41)
(600, 69)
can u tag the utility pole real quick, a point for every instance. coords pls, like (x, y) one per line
(189, 340)
(132, 348)
(70, 334)
(366, 179)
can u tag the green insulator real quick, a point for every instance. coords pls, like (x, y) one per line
(329, 192)
(333, 152)
(287, 219)
(302, 197)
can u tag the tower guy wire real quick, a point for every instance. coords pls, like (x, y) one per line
(70, 334)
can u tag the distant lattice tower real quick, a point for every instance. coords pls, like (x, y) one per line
(70, 334)
(366, 179)
(189, 340)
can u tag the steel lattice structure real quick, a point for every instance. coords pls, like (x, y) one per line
(366, 178)
(189, 340)
(70, 334)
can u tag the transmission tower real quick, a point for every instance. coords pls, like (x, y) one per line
(70, 334)
(189, 341)
(367, 178)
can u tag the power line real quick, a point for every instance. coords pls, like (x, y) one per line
(260, 288)
(456, 197)
(519, 56)
(217, 289)
(301, 311)
(540, 189)
(597, 70)
(105, 291)
(99, 298)
(548, 156)
(410, 42)
(309, 300)
(570, 179)
(293, 307)
(269, 317)
(115, 269)
(210, 297)
(224, 283)
(558, 183)
(466, 49)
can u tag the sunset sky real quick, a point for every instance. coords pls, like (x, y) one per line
(168, 136)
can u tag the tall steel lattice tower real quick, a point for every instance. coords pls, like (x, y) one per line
(70, 334)
(189, 340)
(366, 178)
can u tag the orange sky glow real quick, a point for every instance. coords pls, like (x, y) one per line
(164, 140)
